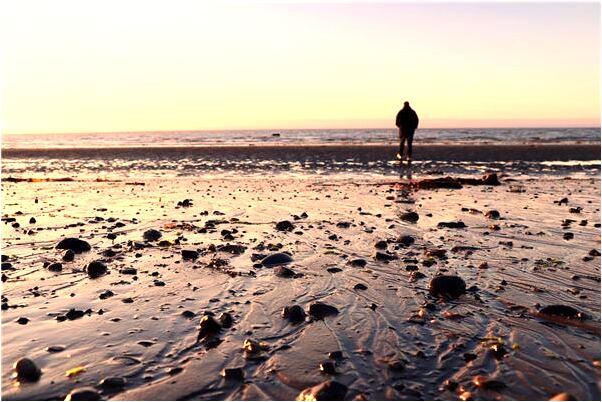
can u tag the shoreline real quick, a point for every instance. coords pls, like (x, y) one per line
(368, 152)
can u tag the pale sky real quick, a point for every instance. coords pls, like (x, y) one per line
(100, 66)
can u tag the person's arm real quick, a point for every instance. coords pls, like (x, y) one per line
(398, 119)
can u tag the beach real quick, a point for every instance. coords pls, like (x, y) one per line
(342, 217)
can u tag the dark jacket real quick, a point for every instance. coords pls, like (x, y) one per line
(407, 119)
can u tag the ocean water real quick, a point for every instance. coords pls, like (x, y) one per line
(289, 137)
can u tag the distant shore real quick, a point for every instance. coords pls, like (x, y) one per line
(367, 153)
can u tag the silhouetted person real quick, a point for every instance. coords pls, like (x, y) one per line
(407, 121)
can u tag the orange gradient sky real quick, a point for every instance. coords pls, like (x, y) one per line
(75, 66)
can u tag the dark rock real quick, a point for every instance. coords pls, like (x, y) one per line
(74, 314)
(409, 217)
(32, 220)
(55, 267)
(284, 272)
(232, 248)
(451, 225)
(344, 225)
(188, 314)
(235, 374)
(326, 391)
(128, 271)
(55, 348)
(360, 286)
(414, 276)
(406, 241)
(111, 236)
(158, 283)
(381, 245)
(493, 214)
(22, 320)
(190, 254)
(563, 396)
(334, 270)
(563, 311)
(359, 262)
(112, 383)
(594, 253)
(568, 236)
(447, 286)
(208, 327)
(74, 244)
(83, 394)
(293, 313)
(225, 320)
(336, 355)
(319, 310)
(27, 370)
(328, 367)
(276, 259)
(380, 256)
(106, 294)
(96, 268)
(285, 226)
(68, 255)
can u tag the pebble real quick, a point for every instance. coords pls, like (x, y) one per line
(328, 367)
(326, 391)
(208, 327)
(112, 382)
(76, 245)
(360, 286)
(68, 255)
(22, 320)
(106, 294)
(319, 310)
(406, 241)
(359, 262)
(594, 253)
(409, 217)
(55, 348)
(83, 394)
(447, 286)
(27, 370)
(96, 269)
(55, 267)
(285, 226)
(32, 220)
(188, 314)
(284, 272)
(380, 256)
(493, 214)
(293, 313)
(190, 254)
(563, 396)
(381, 245)
(451, 225)
(152, 235)
(225, 320)
(277, 259)
(234, 373)
(568, 236)
(562, 311)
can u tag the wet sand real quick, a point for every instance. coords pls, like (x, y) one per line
(396, 340)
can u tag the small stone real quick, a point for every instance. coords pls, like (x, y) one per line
(493, 214)
(74, 314)
(285, 226)
(208, 327)
(326, 391)
(68, 255)
(385, 257)
(336, 355)
(27, 370)
(55, 267)
(328, 367)
(563, 311)
(406, 241)
(152, 235)
(74, 244)
(319, 311)
(96, 269)
(359, 263)
(411, 217)
(360, 286)
(594, 253)
(447, 286)
(334, 270)
(106, 294)
(451, 225)
(225, 320)
(32, 220)
(112, 383)
(284, 272)
(22, 320)
(568, 236)
(83, 394)
(55, 348)
(276, 259)
(563, 396)
(381, 245)
(188, 314)
(235, 374)
(190, 254)
(293, 313)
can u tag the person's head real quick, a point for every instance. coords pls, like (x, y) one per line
(406, 104)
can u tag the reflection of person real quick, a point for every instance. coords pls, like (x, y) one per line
(407, 121)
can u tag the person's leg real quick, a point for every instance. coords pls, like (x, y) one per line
(401, 144)
(410, 141)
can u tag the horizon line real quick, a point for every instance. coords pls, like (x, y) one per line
(294, 129)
